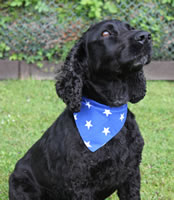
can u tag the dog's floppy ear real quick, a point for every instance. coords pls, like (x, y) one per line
(137, 86)
(71, 76)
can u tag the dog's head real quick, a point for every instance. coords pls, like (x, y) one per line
(115, 47)
(108, 51)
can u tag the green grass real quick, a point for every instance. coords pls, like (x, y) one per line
(28, 108)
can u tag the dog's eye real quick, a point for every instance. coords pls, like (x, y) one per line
(105, 34)
(129, 27)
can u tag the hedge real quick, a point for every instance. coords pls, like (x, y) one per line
(38, 30)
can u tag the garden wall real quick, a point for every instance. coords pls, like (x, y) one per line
(156, 70)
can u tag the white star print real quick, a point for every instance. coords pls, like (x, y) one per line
(122, 117)
(87, 144)
(75, 116)
(107, 112)
(88, 124)
(106, 131)
(88, 104)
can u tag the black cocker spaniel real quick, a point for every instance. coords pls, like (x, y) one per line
(106, 67)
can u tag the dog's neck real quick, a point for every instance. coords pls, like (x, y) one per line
(111, 93)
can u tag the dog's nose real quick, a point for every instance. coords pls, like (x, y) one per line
(142, 37)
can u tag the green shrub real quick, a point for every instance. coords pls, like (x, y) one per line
(36, 30)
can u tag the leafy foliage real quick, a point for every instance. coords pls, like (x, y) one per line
(37, 30)
(3, 48)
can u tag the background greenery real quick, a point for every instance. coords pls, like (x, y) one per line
(37, 30)
(28, 108)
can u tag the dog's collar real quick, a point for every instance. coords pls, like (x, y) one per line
(98, 123)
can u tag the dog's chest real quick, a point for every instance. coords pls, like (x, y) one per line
(108, 167)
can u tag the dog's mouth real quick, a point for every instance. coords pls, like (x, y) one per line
(136, 63)
(141, 61)
(144, 57)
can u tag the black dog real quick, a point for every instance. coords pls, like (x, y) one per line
(105, 65)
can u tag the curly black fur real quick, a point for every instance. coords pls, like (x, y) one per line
(108, 69)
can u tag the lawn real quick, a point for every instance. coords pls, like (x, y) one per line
(28, 108)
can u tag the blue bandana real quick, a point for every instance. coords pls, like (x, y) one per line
(98, 123)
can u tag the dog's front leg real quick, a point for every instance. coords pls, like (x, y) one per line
(22, 187)
(130, 190)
